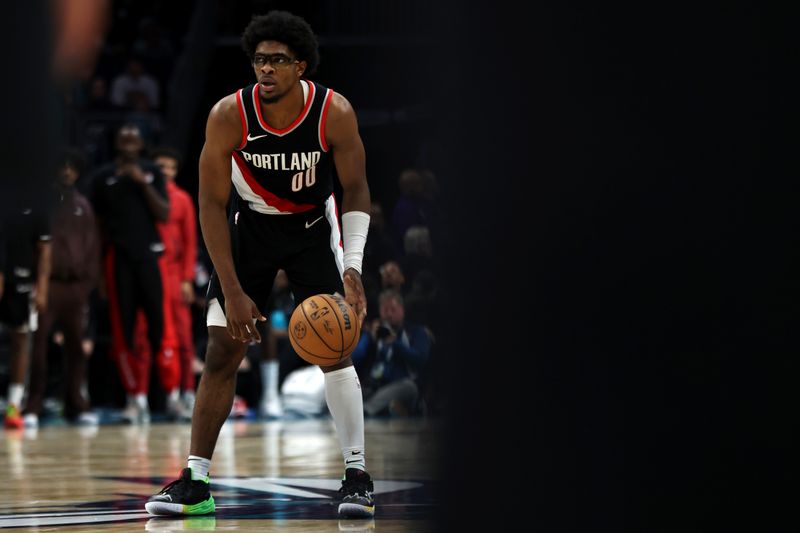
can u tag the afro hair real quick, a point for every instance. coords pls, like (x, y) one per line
(286, 28)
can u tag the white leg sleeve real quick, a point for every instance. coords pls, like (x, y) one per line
(346, 404)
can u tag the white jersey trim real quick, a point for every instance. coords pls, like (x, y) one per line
(308, 97)
(336, 235)
(255, 201)
(215, 315)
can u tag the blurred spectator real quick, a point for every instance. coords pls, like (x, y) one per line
(379, 249)
(150, 123)
(392, 276)
(417, 241)
(422, 301)
(416, 204)
(154, 49)
(418, 251)
(74, 273)
(129, 196)
(97, 97)
(430, 186)
(389, 358)
(95, 133)
(2, 256)
(179, 234)
(26, 276)
(135, 89)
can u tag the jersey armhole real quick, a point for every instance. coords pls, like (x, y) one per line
(323, 117)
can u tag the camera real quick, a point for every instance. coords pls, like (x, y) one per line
(384, 330)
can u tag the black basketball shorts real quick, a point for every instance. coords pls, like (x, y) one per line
(307, 246)
(16, 307)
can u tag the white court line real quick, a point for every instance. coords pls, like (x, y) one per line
(75, 519)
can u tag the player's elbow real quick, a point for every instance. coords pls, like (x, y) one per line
(209, 205)
(356, 188)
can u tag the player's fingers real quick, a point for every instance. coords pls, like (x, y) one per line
(248, 331)
(252, 331)
(245, 330)
(257, 314)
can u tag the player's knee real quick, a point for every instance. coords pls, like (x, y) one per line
(221, 357)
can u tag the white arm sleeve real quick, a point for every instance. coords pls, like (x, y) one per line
(355, 225)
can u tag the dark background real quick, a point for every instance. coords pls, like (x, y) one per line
(628, 256)
(623, 249)
(376, 55)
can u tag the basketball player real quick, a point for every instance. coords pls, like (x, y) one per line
(277, 140)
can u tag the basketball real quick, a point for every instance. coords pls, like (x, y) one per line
(324, 329)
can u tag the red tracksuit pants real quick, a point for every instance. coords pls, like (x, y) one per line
(137, 302)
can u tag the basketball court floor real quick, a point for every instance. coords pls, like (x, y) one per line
(265, 476)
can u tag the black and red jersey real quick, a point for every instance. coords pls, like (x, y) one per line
(281, 171)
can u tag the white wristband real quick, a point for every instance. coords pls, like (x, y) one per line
(355, 225)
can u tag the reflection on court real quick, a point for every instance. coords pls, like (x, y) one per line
(281, 475)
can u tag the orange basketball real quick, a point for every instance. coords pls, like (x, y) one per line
(324, 329)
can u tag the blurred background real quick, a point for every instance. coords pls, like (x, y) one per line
(193, 52)
(621, 195)
(160, 66)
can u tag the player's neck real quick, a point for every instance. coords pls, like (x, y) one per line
(282, 113)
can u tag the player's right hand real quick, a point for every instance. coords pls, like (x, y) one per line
(240, 311)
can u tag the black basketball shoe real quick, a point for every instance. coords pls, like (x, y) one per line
(184, 496)
(356, 494)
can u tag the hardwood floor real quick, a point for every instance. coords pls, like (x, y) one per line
(266, 476)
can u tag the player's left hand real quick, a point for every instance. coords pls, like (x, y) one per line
(354, 293)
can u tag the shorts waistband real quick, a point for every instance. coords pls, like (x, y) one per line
(290, 218)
